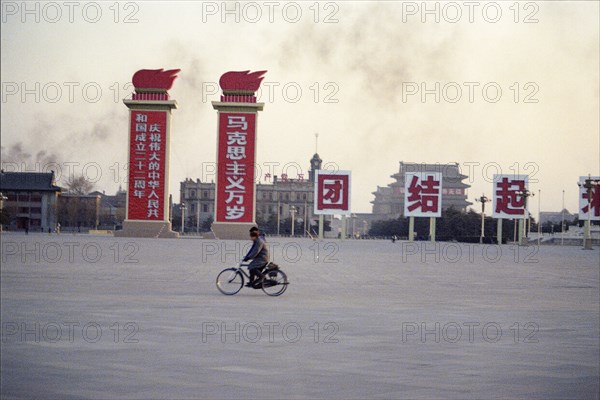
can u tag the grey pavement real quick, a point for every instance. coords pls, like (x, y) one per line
(86, 317)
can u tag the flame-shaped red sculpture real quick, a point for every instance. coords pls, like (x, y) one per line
(154, 78)
(241, 81)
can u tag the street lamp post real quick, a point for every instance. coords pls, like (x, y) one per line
(539, 216)
(588, 185)
(483, 199)
(182, 217)
(198, 215)
(293, 212)
(278, 214)
(2, 198)
(562, 223)
(525, 193)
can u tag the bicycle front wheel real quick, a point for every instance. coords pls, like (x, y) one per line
(230, 281)
(274, 283)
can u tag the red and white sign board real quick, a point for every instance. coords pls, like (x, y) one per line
(583, 200)
(423, 194)
(147, 165)
(235, 191)
(507, 203)
(332, 192)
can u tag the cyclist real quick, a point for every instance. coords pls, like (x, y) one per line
(259, 254)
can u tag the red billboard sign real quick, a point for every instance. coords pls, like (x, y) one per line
(423, 194)
(508, 200)
(147, 165)
(332, 192)
(235, 159)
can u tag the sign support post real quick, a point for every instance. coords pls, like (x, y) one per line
(321, 226)
(411, 229)
(499, 230)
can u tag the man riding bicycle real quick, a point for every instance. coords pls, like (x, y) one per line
(259, 254)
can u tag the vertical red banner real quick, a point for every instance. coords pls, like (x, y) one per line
(235, 167)
(147, 165)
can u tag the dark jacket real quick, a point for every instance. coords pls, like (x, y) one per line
(259, 254)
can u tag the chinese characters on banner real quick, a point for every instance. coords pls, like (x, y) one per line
(423, 194)
(594, 202)
(507, 203)
(332, 192)
(235, 176)
(147, 165)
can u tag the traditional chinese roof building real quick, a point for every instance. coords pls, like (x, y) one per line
(31, 199)
(389, 200)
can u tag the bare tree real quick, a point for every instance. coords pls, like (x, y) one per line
(79, 185)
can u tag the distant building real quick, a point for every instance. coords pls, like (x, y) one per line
(389, 200)
(272, 199)
(556, 217)
(81, 211)
(112, 208)
(31, 199)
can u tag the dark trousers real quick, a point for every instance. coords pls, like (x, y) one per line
(255, 268)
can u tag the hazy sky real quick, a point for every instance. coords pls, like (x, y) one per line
(357, 65)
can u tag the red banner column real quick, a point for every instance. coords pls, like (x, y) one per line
(235, 197)
(147, 213)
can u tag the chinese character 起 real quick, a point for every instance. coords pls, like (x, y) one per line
(507, 199)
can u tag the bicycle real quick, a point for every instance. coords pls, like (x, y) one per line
(272, 280)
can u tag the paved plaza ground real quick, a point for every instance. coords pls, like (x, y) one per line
(102, 317)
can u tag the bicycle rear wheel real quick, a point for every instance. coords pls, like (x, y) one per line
(274, 283)
(230, 281)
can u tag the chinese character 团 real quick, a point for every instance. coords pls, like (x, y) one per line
(332, 191)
